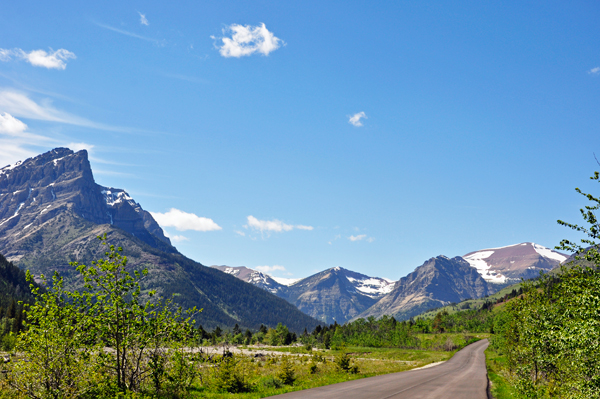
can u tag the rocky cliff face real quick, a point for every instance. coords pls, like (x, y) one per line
(52, 211)
(35, 191)
(439, 281)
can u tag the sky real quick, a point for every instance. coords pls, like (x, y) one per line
(291, 137)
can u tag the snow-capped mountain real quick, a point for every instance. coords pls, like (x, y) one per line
(254, 277)
(511, 263)
(336, 294)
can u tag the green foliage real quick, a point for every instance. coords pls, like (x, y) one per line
(229, 377)
(104, 340)
(344, 364)
(286, 372)
(272, 382)
(55, 345)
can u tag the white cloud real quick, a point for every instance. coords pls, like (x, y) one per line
(52, 60)
(241, 233)
(268, 225)
(247, 40)
(183, 221)
(355, 119)
(179, 238)
(15, 140)
(11, 125)
(358, 237)
(143, 19)
(270, 269)
(361, 237)
(272, 225)
(80, 146)
(594, 71)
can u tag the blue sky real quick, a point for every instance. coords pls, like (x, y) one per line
(295, 137)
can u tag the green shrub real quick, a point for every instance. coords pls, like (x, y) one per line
(229, 377)
(272, 382)
(286, 372)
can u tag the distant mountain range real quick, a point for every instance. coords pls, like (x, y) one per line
(341, 295)
(333, 295)
(51, 211)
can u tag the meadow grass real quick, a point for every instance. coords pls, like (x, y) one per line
(498, 375)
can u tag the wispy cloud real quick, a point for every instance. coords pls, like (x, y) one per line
(274, 225)
(355, 119)
(143, 19)
(19, 104)
(270, 269)
(337, 237)
(40, 58)
(361, 237)
(594, 71)
(246, 40)
(130, 34)
(184, 221)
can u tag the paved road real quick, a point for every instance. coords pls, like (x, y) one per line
(462, 377)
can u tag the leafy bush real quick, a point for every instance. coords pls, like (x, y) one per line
(272, 382)
(229, 377)
(286, 372)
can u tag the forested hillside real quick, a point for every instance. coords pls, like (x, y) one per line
(13, 289)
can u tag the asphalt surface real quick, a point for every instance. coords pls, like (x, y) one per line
(462, 377)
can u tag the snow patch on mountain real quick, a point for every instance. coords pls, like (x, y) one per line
(548, 253)
(286, 281)
(477, 260)
(372, 286)
(114, 196)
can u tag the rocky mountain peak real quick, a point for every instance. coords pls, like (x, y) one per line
(36, 190)
(437, 282)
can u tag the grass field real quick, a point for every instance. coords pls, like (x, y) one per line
(262, 373)
(497, 373)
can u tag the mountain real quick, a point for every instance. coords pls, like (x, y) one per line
(51, 212)
(336, 294)
(507, 265)
(439, 281)
(256, 278)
